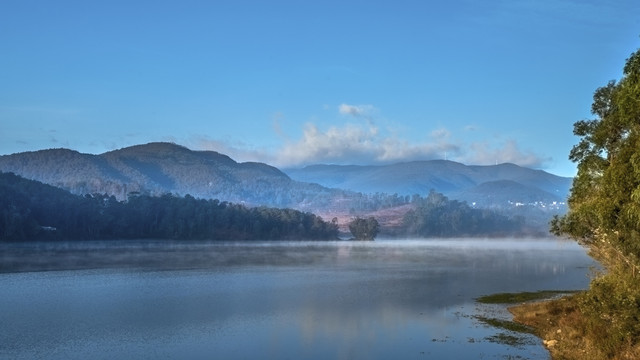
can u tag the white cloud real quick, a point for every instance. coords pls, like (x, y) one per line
(361, 142)
(334, 145)
(484, 154)
(357, 144)
(364, 111)
(365, 144)
(347, 144)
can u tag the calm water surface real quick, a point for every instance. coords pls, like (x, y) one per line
(294, 300)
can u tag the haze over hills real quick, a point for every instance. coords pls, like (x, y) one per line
(386, 192)
(485, 185)
(159, 168)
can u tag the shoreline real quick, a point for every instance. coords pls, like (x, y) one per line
(558, 323)
(552, 316)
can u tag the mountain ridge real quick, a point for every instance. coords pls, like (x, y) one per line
(419, 177)
(153, 168)
(158, 168)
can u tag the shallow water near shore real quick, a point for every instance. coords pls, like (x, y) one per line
(401, 299)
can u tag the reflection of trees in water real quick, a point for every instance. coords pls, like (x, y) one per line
(301, 294)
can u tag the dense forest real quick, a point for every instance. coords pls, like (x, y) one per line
(604, 214)
(30, 210)
(437, 216)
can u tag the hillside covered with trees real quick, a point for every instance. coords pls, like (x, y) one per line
(160, 168)
(156, 169)
(30, 210)
(604, 214)
(437, 216)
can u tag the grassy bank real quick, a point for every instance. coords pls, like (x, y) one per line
(578, 325)
(516, 326)
(600, 323)
(561, 326)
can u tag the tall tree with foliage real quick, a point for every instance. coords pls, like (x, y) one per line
(364, 229)
(605, 197)
(604, 211)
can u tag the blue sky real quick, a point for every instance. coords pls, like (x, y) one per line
(292, 83)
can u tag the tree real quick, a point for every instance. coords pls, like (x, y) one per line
(604, 212)
(364, 229)
(605, 197)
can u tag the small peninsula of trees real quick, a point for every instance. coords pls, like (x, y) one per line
(364, 229)
(30, 210)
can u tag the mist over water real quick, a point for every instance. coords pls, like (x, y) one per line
(314, 300)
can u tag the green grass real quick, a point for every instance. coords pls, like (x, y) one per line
(513, 327)
(516, 298)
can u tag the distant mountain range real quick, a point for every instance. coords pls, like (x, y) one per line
(485, 185)
(158, 168)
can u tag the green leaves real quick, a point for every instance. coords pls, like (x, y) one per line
(604, 211)
(364, 229)
(606, 191)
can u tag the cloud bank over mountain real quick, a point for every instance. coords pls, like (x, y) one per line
(360, 141)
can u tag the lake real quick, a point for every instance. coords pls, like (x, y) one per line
(400, 299)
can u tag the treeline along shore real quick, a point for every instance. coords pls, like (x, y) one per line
(35, 211)
(31, 210)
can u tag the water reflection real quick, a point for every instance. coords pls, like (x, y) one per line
(344, 300)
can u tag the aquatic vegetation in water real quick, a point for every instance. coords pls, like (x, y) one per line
(515, 298)
(505, 324)
(511, 340)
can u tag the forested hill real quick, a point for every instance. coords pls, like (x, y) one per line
(157, 169)
(160, 168)
(30, 210)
